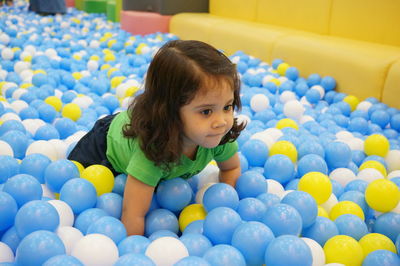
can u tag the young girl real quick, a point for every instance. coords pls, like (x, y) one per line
(182, 121)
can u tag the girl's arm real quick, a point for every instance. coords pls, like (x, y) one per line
(229, 170)
(137, 200)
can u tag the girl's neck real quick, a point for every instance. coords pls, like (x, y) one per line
(190, 152)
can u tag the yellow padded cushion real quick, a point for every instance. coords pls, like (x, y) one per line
(192, 26)
(359, 68)
(237, 9)
(307, 15)
(367, 20)
(254, 39)
(391, 90)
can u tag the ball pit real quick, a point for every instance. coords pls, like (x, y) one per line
(327, 160)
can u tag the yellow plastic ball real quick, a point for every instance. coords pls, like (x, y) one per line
(95, 58)
(109, 57)
(77, 75)
(26, 85)
(322, 212)
(282, 68)
(191, 213)
(346, 207)
(374, 241)
(100, 176)
(343, 249)
(77, 57)
(27, 58)
(110, 43)
(352, 100)
(39, 71)
(286, 148)
(317, 185)
(108, 35)
(140, 47)
(111, 70)
(55, 102)
(115, 81)
(79, 166)
(374, 164)
(131, 91)
(105, 66)
(376, 144)
(287, 122)
(276, 81)
(72, 111)
(382, 195)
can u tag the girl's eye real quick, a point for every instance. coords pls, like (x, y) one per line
(228, 107)
(206, 112)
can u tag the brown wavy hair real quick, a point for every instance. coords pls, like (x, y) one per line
(177, 72)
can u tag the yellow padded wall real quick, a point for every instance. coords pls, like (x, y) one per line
(307, 15)
(391, 90)
(368, 20)
(238, 9)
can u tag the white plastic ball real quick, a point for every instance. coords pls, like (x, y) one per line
(30, 49)
(95, 249)
(92, 65)
(6, 253)
(60, 147)
(287, 96)
(342, 175)
(18, 105)
(267, 139)
(266, 79)
(64, 25)
(364, 106)
(369, 175)
(259, 102)
(293, 109)
(5, 149)
(328, 205)
(69, 236)
(274, 187)
(75, 137)
(126, 102)
(3, 74)
(356, 144)
(210, 174)
(305, 119)
(83, 101)
(283, 79)
(200, 192)
(94, 44)
(7, 54)
(4, 38)
(64, 212)
(121, 89)
(392, 160)
(7, 86)
(10, 116)
(274, 133)
(21, 66)
(18, 93)
(26, 75)
(32, 125)
(47, 192)
(344, 135)
(243, 119)
(50, 53)
(166, 251)
(318, 254)
(42, 147)
(320, 89)
(393, 174)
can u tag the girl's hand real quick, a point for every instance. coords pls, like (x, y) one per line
(137, 200)
(230, 170)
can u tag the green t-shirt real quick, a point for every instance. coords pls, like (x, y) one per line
(127, 157)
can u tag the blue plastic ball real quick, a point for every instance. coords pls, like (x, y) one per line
(36, 215)
(79, 194)
(29, 113)
(134, 259)
(311, 163)
(220, 255)
(9, 167)
(162, 233)
(174, 194)
(111, 203)
(329, 83)
(321, 231)
(358, 124)
(11, 125)
(252, 239)
(63, 260)
(251, 209)
(313, 96)
(161, 219)
(46, 132)
(47, 113)
(18, 141)
(381, 257)
(192, 261)
(88, 217)
(108, 226)
(337, 155)
(119, 184)
(283, 219)
(388, 224)
(11, 238)
(280, 168)
(351, 225)
(219, 225)
(255, 151)
(8, 210)
(133, 244)
(35, 164)
(251, 184)
(305, 204)
(356, 185)
(288, 250)
(65, 127)
(58, 173)
(194, 227)
(196, 244)
(269, 199)
(220, 195)
(23, 188)
(356, 197)
(37, 247)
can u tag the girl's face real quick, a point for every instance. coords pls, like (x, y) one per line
(208, 117)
